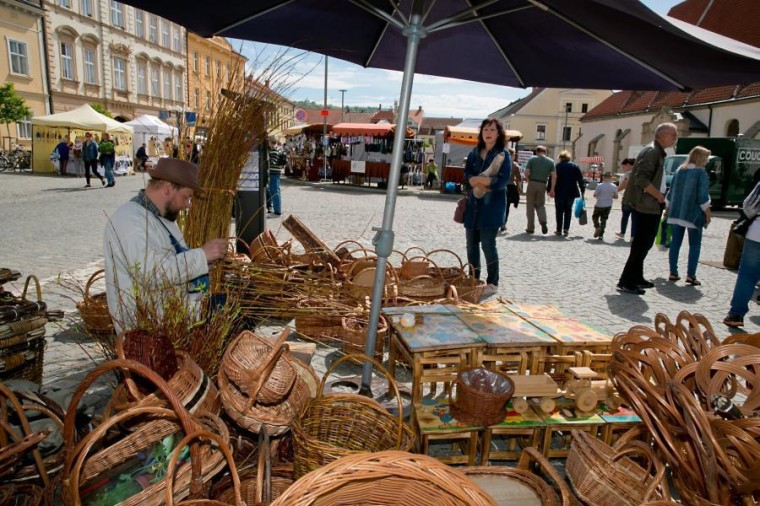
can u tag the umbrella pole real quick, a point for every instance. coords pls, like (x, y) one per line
(383, 240)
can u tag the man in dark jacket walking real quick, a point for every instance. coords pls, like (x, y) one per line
(90, 158)
(645, 196)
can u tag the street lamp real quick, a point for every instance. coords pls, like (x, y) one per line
(342, 108)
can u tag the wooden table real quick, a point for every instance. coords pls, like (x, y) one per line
(528, 427)
(569, 333)
(561, 425)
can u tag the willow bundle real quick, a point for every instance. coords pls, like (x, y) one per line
(237, 124)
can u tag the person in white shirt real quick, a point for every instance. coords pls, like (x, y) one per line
(605, 193)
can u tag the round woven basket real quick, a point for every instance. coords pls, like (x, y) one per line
(335, 425)
(93, 308)
(259, 368)
(355, 336)
(476, 403)
(388, 478)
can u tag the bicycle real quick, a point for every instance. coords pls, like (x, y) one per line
(15, 159)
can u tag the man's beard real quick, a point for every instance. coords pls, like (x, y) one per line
(171, 214)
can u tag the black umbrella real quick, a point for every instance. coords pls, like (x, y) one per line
(602, 44)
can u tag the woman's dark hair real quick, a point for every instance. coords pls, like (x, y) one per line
(501, 137)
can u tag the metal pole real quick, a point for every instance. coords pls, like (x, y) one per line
(383, 240)
(324, 128)
(342, 102)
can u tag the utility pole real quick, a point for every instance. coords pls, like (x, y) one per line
(342, 102)
(564, 128)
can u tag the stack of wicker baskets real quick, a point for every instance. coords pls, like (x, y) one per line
(22, 331)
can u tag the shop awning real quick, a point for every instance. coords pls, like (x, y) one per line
(84, 117)
(381, 129)
(309, 127)
(469, 135)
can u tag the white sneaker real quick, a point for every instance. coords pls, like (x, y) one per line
(490, 290)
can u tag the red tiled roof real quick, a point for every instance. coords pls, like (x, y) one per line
(382, 115)
(736, 18)
(751, 90)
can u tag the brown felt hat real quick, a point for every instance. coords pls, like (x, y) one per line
(177, 171)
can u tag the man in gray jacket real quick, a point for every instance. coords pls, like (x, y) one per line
(645, 196)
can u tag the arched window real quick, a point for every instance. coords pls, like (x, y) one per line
(732, 129)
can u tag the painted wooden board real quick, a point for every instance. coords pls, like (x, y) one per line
(433, 415)
(621, 415)
(514, 419)
(436, 331)
(505, 329)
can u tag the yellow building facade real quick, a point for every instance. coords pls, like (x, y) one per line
(22, 63)
(213, 65)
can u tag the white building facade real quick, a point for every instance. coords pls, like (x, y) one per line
(128, 60)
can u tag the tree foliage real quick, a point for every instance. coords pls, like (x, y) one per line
(102, 110)
(12, 106)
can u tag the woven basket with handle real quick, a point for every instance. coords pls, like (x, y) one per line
(335, 425)
(93, 308)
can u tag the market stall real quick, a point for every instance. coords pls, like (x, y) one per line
(48, 130)
(152, 132)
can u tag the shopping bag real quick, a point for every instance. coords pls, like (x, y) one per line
(583, 218)
(578, 206)
(663, 233)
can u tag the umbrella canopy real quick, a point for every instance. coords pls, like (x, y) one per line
(84, 117)
(602, 44)
(151, 125)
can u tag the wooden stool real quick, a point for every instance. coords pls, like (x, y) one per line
(559, 423)
(434, 422)
(527, 426)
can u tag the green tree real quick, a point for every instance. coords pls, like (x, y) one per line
(102, 110)
(12, 106)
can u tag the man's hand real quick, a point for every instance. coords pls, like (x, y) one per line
(551, 193)
(215, 249)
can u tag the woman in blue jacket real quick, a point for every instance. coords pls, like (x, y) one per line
(688, 208)
(483, 216)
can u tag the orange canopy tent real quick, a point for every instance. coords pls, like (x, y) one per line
(380, 129)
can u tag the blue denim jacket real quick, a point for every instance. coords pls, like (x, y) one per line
(489, 211)
(688, 198)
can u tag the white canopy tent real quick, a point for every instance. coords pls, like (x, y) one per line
(147, 127)
(85, 118)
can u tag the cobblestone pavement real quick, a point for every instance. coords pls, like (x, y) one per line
(52, 227)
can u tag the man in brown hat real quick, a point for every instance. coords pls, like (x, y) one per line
(144, 249)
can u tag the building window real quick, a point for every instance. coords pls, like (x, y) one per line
(139, 24)
(120, 74)
(567, 133)
(196, 99)
(153, 30)
(175, 33)
(117, 14)
(584, 108)
(195, 61)
(142, 82)
(19, 57)
(208, 100)
(165, 36)
(24, 128)
(569, 107)
(167, 84)
(65, 3)
(540, 132)
(155, 82)
(207, 65)
(227, 76)
(90, 76)
(67, 61)
(218, 69)
(87, 8)
(178, 88)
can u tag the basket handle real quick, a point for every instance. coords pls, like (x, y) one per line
(391, 382)
(264, 469)
(637, 447)
(407, 256)
(429, 260)
(36, 285)
(129, 383)
(95, 276)
(25, 426)
(69, 424)
(278, 349)
(459, 259)
(223, 446)
(532, 454)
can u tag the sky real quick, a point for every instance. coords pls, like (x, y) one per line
(438, 96)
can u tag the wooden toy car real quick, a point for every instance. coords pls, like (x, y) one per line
(584, 387)
(538, 390)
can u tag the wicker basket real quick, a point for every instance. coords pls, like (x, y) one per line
(265, 249)
(189, 383)
(355, 336)
(21, 495)
(481, 397)
(335, 425)
(388, 478)
(604, 476)
(469, 289)
(25, 359)
(519, 485)
(94, 308)
(259, 368)
(87, 460)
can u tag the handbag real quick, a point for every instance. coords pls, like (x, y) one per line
(459, 211)
(583, 218)
(741, 226)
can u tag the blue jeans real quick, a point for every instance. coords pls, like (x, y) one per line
(108, 168)
(747, 278)
(486, 239)
(624, 221)
(274, 191)
(695, 247)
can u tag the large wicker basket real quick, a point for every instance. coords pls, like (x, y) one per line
(93, 308)
(481, 397)
(335, 425)
(87, 459)
(388, 478)
(605, 476)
